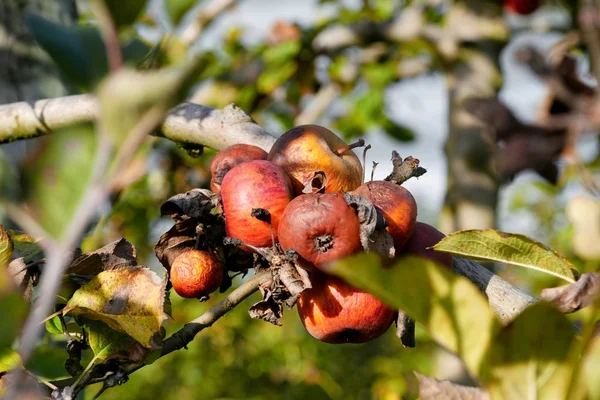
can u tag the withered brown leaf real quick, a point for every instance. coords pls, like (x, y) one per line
(575, 296)
(115, 255)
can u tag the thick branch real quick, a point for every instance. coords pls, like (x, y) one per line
(187, 123)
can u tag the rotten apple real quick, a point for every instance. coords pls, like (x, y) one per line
(397, 205)
(305, 149)
(424, 237)
(320, 228)
(333, 311)
(254, 184)
(196, 273)
(229, 158)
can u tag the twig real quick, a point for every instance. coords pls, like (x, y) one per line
(321, 100)
(205, 16)
(109, 34)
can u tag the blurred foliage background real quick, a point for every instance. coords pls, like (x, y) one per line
(334, 71)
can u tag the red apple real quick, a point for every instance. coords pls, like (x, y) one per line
(229, 158)
(254, 184)
(397, 205)
(320, 228)
(305, 149)
(424, 236)
(523, 7)
(335, 312)
(196, 274)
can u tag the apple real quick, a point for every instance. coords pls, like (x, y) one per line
(305, 149)
(523, 7)
(196, 274)
(254, 184)
(320, 228)
(335, 312)
(229, 158)
(397, 205)
(423, 237)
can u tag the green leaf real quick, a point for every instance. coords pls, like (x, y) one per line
(275, 76)
(282, 52)
(591, 369)
(48, 362)
(80, 51)
(510, 248)
(530, 357)
(396, 131)
(9, 359)
(13, 310)
(178, 8)
(25, 246)
(6, 248)
(451, 308)
(53, 326)
(125, 13)
(129, 300)
(104, 341)
(57, 179)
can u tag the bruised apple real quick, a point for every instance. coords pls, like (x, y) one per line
(320, 228)
(397, 205)
(196, 273)
(335, 312)
(423, 237)
(229, 158)
(254, 184)
(305, 149)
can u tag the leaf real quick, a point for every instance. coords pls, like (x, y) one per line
(53, 326)
(129, 300)
(48, 362)
(282, 52)
(124, 13)
(432, 389)
(451, 308)
(6, 247)
(591, 369)
(575, 296)
(268, 310)
(13, 310)
(274, 76)
(178, 8)
(106, 343)
(57, 178)
(176, 241)
(195, 203)
(25, 246)
(116, 255)
(9, 359)
(510, 248)
(531, 355)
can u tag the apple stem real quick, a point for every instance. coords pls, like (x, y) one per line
(373, 170)
(358, 143)
(365, 160)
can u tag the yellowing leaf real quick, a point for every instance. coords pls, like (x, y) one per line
(25, 245)
(451, 308)
(129, 300)
(530, 357)
(6, 247)
(510, 248)
(107, 343)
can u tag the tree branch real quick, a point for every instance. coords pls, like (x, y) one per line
(187, 123)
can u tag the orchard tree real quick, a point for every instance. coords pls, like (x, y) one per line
(293, 216)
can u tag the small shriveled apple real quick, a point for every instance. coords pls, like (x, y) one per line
(335, 312)
(424, 236)
(305, 149)
(229, 158)
(254, 184)
(397, 205)
(196, 273)
(320, 228)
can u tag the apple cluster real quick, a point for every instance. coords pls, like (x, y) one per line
(304, 183)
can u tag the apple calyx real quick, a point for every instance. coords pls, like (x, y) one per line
(358, 143)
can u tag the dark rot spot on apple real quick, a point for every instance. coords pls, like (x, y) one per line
(320, 228)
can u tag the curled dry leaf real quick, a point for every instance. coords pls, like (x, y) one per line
(176, 241)
(268, 310)
(316, 183)
(115, 255)
(129, 300)
(373, 235)
(432, 389)
(193, 204)
(405, 329)
(572, 297)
